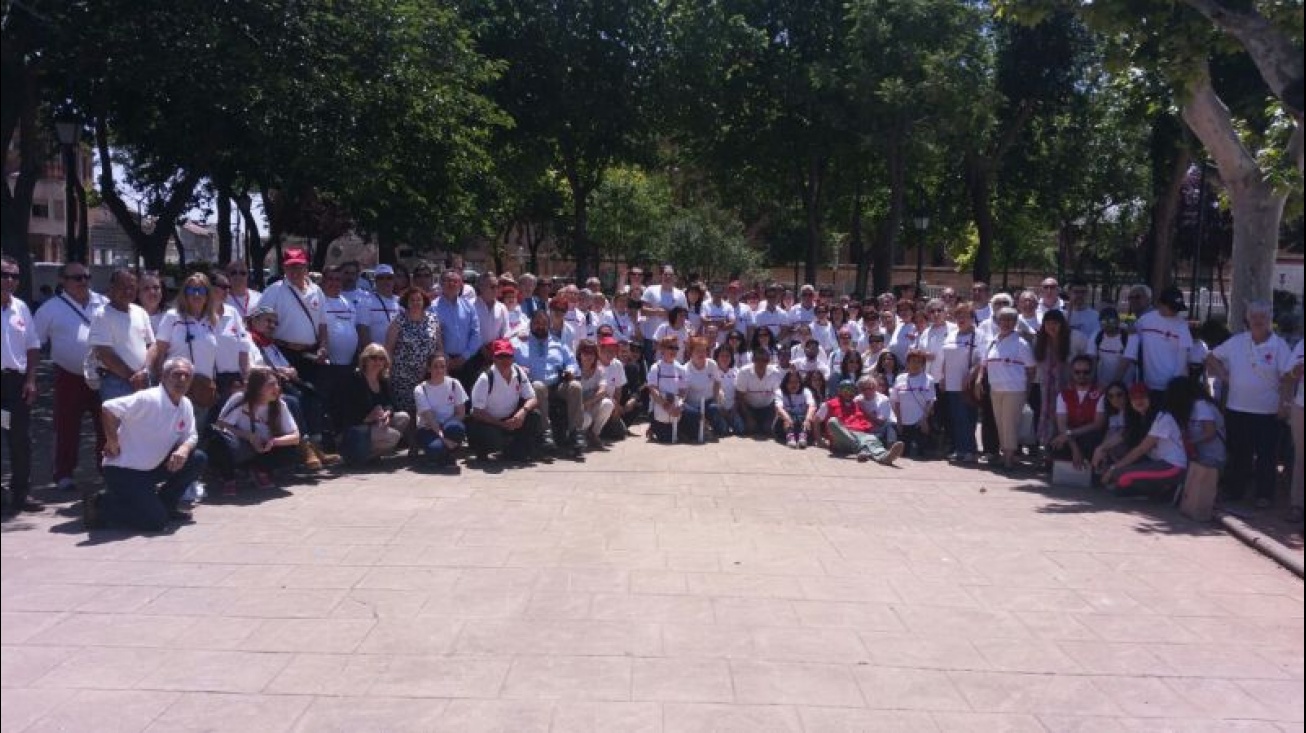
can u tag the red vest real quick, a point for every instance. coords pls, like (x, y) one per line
(852, 418)
(1079, 414)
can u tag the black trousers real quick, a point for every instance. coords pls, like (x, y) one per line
(484, 438)
(18, 437)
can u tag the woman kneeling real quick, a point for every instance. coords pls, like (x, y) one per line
(254, 429)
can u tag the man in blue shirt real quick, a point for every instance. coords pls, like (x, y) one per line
(460, 328)
(552, 370)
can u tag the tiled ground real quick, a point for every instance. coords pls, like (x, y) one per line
(732, 587)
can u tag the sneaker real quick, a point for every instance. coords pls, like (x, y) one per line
(895, 452)
(802, 441)
(863, 457)
(229, 487)
(66, 484)
(791, 441)
(309, 457)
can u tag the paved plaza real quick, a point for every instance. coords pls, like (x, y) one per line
(736, 586)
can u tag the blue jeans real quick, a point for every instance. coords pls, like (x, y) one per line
(690, 418)
(434, 446)
(134, 498)
(112, 385)
(758, 419)
(963, 418)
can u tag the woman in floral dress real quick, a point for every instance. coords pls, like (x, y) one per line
(413, 337)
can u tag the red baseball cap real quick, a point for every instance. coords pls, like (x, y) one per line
(295, 256)
(608, 341)
(502, 347)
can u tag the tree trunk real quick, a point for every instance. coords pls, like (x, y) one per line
(83, 219)
(1165, 215)
(856, 247)
(224, 223)
(256, 252)
(886, 239)
(979, 184)
(16, 205)
(580, 228)
(1257, 207)
(811, 181)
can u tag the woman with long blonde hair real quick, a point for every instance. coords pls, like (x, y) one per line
(365, 409)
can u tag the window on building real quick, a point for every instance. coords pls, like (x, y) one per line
(40, 210)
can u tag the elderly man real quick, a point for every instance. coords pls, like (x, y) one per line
(121, 336)
(490, 313)
(659, 300)
(552, 369)
(1140, 300)
(460, 327)
(1049, 298)
(64, 322)
(301, 333)
(530, 302)
(375, 310)
(1253, 365)
(505, 409)
(848, 430)
(804, 311)
(20, 353)
(149, 455)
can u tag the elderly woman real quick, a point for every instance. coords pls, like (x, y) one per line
(1008, 364)
(365, 410)
(149, 295)
(412, 339)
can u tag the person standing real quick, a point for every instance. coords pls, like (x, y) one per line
(1253, 365)
(1160, 344)
(345, 339)
(491, 315)
(301, 332)
(121, 336)
(241, 296)
(149, 455)
(64, 323)
(658, 300)
(1008, 363)
(1083, 319)
(414, 336)
(460, 328)
(375, 310)
(20, 352)
(1050, 298)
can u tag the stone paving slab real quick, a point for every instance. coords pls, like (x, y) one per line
(737, 586)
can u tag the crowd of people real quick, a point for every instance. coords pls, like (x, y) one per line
(225, 386)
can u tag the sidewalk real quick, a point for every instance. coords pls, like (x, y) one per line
(736, 586)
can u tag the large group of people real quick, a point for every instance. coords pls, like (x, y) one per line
(226, 386)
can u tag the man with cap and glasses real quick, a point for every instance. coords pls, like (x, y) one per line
(20, 354)
(378, 308)
(64, 323)
(301, 333)
(1160, 345)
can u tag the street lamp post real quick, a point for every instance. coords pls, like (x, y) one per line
(66, 128)
(922, 222)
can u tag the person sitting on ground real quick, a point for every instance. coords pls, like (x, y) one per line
(1159, 459)
(729, 376)
(820, 388)
(295, 392)
(150, 454)
(369, 421)
(811, 359)
(667, 385)
(505, 407)
(615, 379)
(677, 326)
(848, 431)
(703, 396)
(1080, 416)
(795, 410)
(755, 393)
(913, 397)
(596, 400)
(254, 429)
(552, 370)
(874, 402)
(441, 410)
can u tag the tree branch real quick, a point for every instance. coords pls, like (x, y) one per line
(1275, 54)
(1208, 117)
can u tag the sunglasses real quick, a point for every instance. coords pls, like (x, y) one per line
(8, 276)
(1082, 373)
(77, 278)
(196, 291)
(1049, 287)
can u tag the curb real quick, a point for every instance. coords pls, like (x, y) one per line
(1262, 543)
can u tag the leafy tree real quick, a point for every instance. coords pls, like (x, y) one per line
(708, 240)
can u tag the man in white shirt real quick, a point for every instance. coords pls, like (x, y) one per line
(979, 298)
(121, 336)
(812, 359)
(352, 287)
(755, 394)
(20, 353)
(150, 455)
(241, 296)
(301, 328)
(344, 337)
(505, 414)
(770, 315)
(658, 300)
(1050, 297)
(64, 322)
(492, 314)
(1252, 365)
(1082, 317)
(804, 311)
(375, 310)
(1107, 346)
(1159, 347)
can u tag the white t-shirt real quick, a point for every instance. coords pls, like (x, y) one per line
(932, 341)
(805, 366)
(1164, 344)
(1255, 371)
(233, 340)
(196, 340)
(443, 399)
(376, 311)
(151, 427)
(614, 376)
(494, 321)
(702, 382)
(800, 314)
(1110, 353)
(729, 379)
(960, 353)
(825, 334)
(624, 327)
(245, 304)
(795, 403)
(294, 326)
(878, 409)
(758, 392)
(743, 317)
(1169, 441)
(503, 400)
(913, 395)
(681, 334)
(656, 296)
(1084, 321)
(518, 323)
(1297, 362)
(774, 320)
(236, 414)
(17, 335)
(129, 333)
(65, 325)
(342, 329)
(671, 381)
(904, 337)
(1063, 409)
(721, 312)
(1005, 360)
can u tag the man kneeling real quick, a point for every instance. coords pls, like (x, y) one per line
(850, 431)
(149, 454)
(504, 409)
